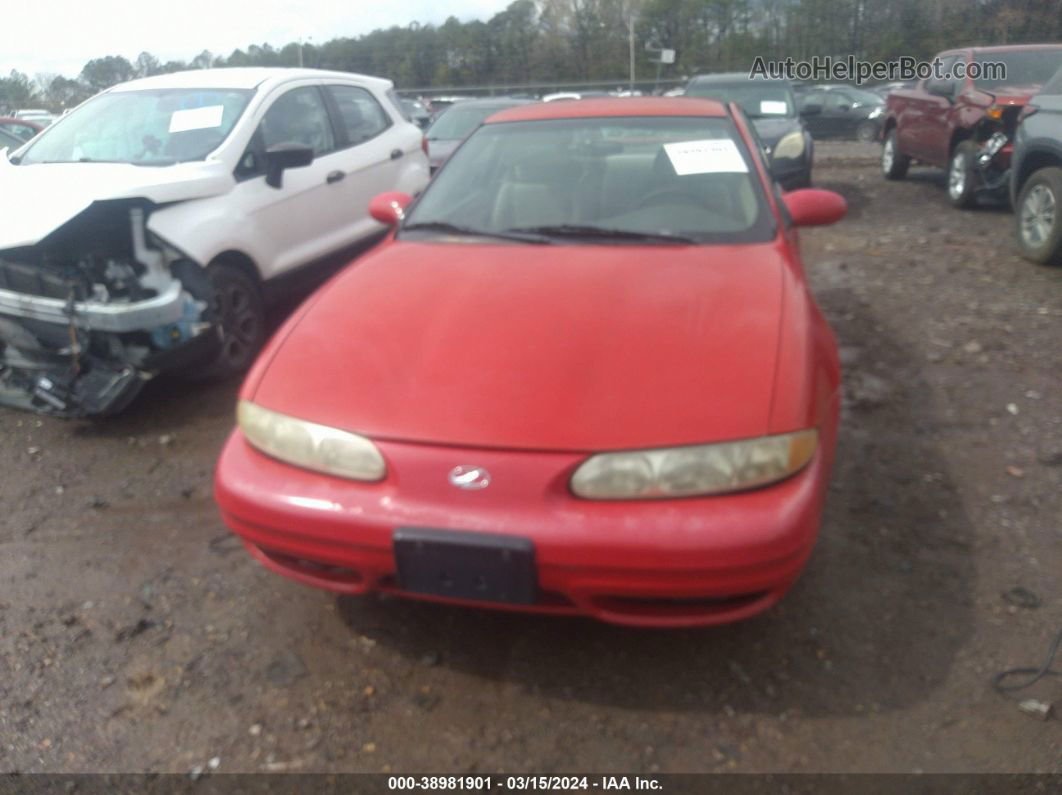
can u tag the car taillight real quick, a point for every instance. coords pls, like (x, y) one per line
(424, 143)
(1028, 111)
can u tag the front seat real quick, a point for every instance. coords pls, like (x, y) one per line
(538, 192)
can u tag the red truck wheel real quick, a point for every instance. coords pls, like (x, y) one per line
(894, 164)
(962, 180)
(1038, 217)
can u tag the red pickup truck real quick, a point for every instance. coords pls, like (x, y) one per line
(964, 118)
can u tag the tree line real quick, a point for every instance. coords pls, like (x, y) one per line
(555, 41)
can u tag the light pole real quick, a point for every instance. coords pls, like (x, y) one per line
(630, 42)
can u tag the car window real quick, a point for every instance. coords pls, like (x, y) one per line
(815, 98)
(1023, 68)
(689, 176)
(404, 107)
(298, 117)
(460, 120)
(837, 100)
(23, 131)
(863, 97)
(143, 127)
(361, 116)
(758, 98)
(935, 85)
(1054, 85)
(9, 141)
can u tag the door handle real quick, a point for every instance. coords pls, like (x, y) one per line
(334, 176)
(396, 153)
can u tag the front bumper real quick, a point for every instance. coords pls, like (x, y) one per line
(151, 313)
(689, 562)
(792, 173)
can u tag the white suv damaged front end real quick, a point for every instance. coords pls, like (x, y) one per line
(96, 308)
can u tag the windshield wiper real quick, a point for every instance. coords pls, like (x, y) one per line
(455, 229)
(577, 230)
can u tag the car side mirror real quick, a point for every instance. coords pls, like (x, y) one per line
(389, 208)
(280, 157)
(814, 207)
(811, 110)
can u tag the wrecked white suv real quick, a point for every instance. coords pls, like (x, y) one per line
(139, 233)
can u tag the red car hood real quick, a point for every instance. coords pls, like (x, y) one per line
(575, 348)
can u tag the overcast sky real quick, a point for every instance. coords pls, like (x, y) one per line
(61, 35)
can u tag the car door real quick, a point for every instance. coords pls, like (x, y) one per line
(301, 220)
(929, 136)
(844, 117)
(369, 158)
(815, 121)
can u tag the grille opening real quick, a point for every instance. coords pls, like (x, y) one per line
(313, 567)
(543, 598)
(665, 605)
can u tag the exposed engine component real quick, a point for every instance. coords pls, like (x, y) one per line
(94, 310)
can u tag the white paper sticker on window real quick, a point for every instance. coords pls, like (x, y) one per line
(716, 156)
(770, 107)
(196, 118)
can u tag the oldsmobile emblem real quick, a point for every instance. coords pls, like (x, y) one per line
(469, 478)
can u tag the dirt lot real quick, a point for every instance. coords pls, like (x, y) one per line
(136, 635)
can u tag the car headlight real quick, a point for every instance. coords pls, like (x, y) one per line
(309, 445)
(698, 470)
(877, 112)
(790, 147)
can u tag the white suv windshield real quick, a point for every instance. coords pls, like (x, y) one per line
(613, 179)
(147, 127)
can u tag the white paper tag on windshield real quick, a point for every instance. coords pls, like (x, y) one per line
(769, 107)
(714, 156)
(196, 118)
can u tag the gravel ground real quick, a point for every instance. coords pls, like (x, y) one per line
(136, 635)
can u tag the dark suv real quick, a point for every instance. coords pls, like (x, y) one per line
(771, 107)
(1036, 176)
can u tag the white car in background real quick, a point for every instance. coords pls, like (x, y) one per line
(40, 116)
(141, 232)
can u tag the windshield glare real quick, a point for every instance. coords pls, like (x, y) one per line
(761, 99)
(1023, 68)
(147, 127)
(688, 177)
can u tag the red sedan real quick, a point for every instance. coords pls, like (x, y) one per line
(583, 375)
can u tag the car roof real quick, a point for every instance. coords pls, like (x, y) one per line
(243, 77)
(734, 77)
(1002, 48)
(16, 120)
(612, 106)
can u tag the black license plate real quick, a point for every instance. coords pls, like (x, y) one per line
(478, 566)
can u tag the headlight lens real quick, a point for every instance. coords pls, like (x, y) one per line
(699, 470)
(877, 112)
(790, 147)
(309, 445)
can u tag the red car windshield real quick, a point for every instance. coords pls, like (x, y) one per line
(612, 179)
